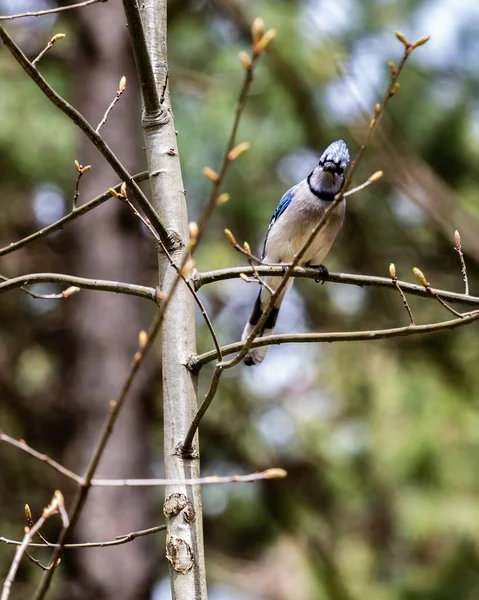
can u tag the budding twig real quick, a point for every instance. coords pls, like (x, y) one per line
(81, 170)
(394, 279)
(57, 505)
(49, 11)
(119, 92)
(55, 38)
(427, 286)
(458, 249)
(260, 41)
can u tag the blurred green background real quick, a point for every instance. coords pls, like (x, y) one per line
(380, 439)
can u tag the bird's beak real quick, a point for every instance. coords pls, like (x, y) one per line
(329, 166)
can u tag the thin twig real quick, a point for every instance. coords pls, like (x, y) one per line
(22, 445)
(199, 361)
(50, 44)
(49, 11)
(36, 561)
(79, 120)
(119, 92)
(130, 289)
(53, 508)
(120, 539)
(81, 170)
(74, 214)
(65, 294)
(273, 473)
(249, 67)
(394, 279)
(458, 249)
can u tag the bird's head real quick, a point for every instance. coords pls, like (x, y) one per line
(328, 178)
(335, 158)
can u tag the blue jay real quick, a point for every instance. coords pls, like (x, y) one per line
(293, 220)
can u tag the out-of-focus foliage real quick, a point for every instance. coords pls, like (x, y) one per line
(380, 438)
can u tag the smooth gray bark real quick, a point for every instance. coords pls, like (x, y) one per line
(184, 542)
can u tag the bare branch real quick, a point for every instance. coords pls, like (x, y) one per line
(51, 43)
(458, 249)
(56, 505)
(273, 473)
(394, 279)
(22, 445)
(197, 362)
(119, 92)
(130, 289)
(77, 212)
(208, 277)
(249, 64)
(91, 134)
(49, 11)
(118, 541)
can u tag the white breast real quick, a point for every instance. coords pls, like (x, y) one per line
(292, 229)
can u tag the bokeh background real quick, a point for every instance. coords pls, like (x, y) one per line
(380, 439)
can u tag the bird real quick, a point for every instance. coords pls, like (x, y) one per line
(296, 215)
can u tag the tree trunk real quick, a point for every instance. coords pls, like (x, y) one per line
(184, 543)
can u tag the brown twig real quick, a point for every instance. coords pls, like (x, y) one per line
(81, 170)
(273, 473)
(119, 92)
(118, 541)
(458, 249)
(130, 289)
(51, 43)
(49, 11)
(74, 214)
(55, 506)
(427, 286)
(22, 445)
(199, 361)
(200, 279)
(80, 121)
(230, 155)
(394, 279)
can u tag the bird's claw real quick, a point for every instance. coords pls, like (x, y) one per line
(323, 273)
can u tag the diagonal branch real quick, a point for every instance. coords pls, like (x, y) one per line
(71, 216)
(91, 134)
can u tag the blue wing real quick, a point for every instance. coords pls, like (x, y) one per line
(282, 206)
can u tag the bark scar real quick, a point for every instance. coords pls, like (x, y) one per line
(179, 554)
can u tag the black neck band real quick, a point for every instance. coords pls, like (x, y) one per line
(328, 196)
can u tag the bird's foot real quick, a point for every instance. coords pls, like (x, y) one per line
(323, 273)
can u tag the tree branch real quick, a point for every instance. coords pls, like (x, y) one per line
(199, 279)
(71, 216)
(199, 361)
(91, 134)
(130, 289)
(120, 539)
(49, 11)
